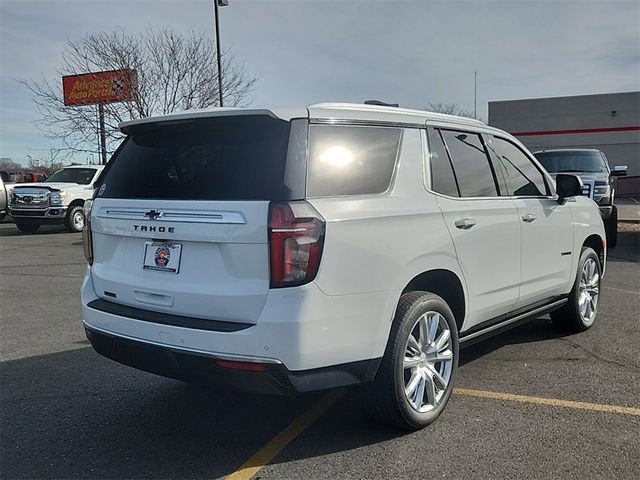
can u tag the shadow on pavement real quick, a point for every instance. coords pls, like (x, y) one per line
(75, 414)
(537, 330)
(10, 230)
(627, 249)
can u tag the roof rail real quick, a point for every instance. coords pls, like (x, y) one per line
(380, 104)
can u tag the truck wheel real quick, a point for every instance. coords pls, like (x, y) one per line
(418, 369)
(74, 221)
(580, 312)
(611, 228)
(27, 227)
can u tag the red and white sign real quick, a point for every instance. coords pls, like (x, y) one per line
(98, 87)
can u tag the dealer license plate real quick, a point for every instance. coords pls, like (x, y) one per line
(162, 256)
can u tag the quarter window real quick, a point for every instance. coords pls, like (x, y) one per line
(471, 164)
(521, 176)
(443, 178)
(345, 160)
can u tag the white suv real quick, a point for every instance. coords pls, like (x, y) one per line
(298, 250)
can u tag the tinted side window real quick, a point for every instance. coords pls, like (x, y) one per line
(471, 164)
(443, 178)
(520, 174)
(351, 160)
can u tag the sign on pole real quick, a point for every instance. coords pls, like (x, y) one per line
(98, 87)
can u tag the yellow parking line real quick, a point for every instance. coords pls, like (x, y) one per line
(267, 453)
(263, 456)
(553, 402)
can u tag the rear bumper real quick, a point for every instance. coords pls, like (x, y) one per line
(319, 341)
(267, 378)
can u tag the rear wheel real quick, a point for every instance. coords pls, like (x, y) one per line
(417, 372)
(580, 312)
(27, 227)
(74, 221)
(611, 228)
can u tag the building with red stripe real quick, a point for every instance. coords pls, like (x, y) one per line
(609, 122)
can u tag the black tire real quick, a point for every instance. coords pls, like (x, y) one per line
(27, 227)
(569, 317)
(385, 397)
(611, 228)
(69, 223)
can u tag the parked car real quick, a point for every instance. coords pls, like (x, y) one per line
(289, 251)
(592, 167)
(59, 200)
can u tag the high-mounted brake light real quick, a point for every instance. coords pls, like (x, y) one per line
(296, 236)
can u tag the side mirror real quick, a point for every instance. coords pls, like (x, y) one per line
(619, 171)
(568, 186)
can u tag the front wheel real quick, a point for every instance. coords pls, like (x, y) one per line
(580, 312)
(417, 372)
(74, 221)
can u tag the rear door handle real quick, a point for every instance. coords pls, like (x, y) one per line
(528, 217)
(465, 223)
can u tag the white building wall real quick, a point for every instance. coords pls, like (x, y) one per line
(609, 122)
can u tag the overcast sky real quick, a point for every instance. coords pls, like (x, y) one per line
(304, 51)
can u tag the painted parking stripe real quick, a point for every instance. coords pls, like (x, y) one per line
(267, 453)
(263, 456)
(553, 402)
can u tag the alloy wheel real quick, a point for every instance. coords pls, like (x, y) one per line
(427, 362)
(589, 291)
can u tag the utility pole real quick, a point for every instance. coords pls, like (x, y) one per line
(216, 14)
(475, 94)
(103, 135)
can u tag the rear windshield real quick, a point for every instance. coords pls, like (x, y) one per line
(224, 158)
(82, 176)
(556, 162)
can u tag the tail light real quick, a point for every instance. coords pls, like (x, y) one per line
(296, 236)
(87, 240)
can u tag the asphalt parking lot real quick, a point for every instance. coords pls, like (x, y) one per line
(66, 412)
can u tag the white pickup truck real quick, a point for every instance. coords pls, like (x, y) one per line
(56, 201)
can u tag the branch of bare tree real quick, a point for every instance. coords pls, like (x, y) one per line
(449, 109)
(174, 72)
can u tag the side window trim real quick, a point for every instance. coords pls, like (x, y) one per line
(453, 169)
(549, 192)
(436, 130)
(486, 153)
(494, 158)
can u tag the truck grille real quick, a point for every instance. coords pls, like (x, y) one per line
(29, 198)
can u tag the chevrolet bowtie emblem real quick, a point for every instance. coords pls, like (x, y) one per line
(154, 214)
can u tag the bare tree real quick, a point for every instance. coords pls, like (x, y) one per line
(449, 109)
(174, 72)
